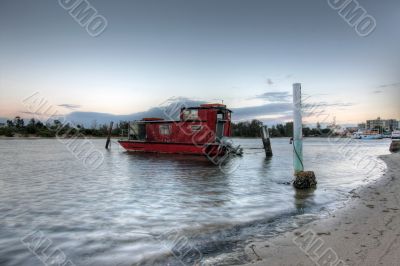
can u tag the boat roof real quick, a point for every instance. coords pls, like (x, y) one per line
(202, 106)
(209, 106)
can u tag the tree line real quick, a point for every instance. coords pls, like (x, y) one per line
(252, 129)
(53, 128)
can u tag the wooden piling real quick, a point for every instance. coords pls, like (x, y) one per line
(395, 146)
(266, 141)
(109, 135)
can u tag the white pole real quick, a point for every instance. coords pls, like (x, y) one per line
(297, 130)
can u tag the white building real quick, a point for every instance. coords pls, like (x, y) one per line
(385, 124)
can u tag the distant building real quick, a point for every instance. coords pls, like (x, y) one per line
(391, 124)
(362, 126)
(398, 125)
(388, 124)
(376, 123)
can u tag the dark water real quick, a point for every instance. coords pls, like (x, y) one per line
(134, 206)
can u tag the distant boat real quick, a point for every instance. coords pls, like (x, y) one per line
(387, 135)
(368, 134)
(396, 134)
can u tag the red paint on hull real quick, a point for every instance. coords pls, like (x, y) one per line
(181, 148)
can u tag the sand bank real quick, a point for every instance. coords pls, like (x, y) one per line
(365, 232)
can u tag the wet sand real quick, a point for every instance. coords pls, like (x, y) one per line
(365, 232)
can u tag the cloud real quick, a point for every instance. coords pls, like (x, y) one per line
(279, 119)
(27, 112)
(168, 110)
(275, 112)
(252, 112)
(283, 110)
(276, 96)
(277, 80)
(337, 104)
(70, 106)
(377, 91)
(389, 85)
(270, 82)
(321, 108)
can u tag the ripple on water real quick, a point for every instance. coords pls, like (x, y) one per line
(124, 211)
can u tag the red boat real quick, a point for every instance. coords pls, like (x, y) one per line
(201, 130)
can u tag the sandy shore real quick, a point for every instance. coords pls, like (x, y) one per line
(365, 232)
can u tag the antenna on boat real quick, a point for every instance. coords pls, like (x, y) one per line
(222, 100)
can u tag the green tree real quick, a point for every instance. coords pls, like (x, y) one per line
(247, 129)
(281, 130)
(289, 129)
(31, 127)
(18, 122)
(306, 131)
(318, 126)
(10, 123)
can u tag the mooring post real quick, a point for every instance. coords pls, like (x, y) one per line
(266, 141)
(297, 130)
(109, 135)
(395, 146)
(303, 179)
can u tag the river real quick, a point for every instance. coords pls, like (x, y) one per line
(138, 208)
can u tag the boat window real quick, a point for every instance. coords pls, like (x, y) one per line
(196, 128)
(190, 114)
(137, 131)
(165, 130)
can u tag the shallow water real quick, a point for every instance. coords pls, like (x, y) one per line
(134, 207)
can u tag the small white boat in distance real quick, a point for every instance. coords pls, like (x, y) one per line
(368, 134)
(396, 134)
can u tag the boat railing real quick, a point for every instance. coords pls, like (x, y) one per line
(124, 134)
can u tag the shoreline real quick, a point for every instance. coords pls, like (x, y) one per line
(364, 232)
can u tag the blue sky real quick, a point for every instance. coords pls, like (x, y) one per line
(244, 52)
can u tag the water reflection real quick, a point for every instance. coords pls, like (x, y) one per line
(304, 199)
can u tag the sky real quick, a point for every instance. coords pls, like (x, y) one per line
(246, 53)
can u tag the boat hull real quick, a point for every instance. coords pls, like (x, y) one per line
(395, 134)
(371, 136)
(211, 149)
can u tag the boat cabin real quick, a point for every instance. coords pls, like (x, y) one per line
(200, 126)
